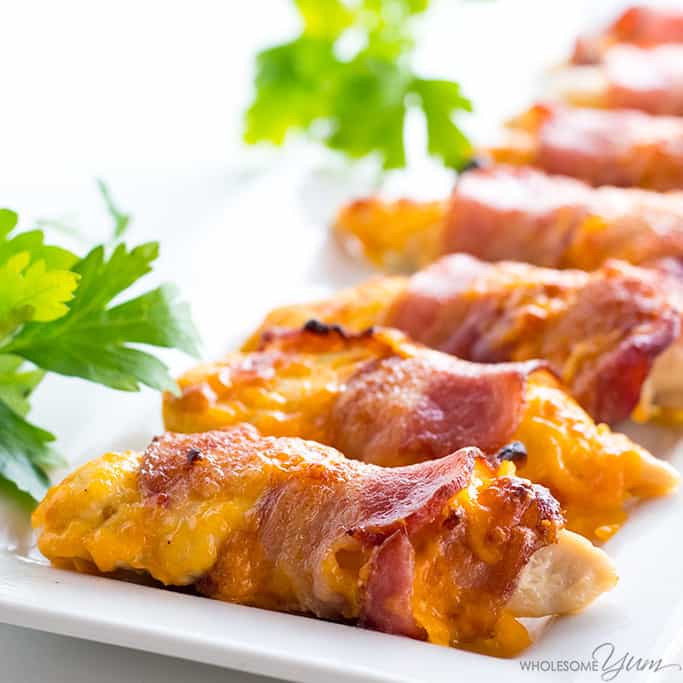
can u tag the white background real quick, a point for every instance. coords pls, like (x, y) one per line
(149, 95)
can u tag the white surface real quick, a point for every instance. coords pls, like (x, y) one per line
(69, 659)
(149, 96)
(642, 616)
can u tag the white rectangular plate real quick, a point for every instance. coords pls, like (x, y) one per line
(269, 246)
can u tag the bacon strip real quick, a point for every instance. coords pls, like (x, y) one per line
(514, 213)
(650, 80)
(622, 147)
(292, 525)
(522, 214)
(389, 589)
(519, 213)
(586, 324)
(639, 25)
(603, 329)
(647, 79)
(411, 409)
(370, 507)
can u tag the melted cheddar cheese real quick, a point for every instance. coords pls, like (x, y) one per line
(96, 516)
(98, 519)
(399, 236)
(355, 309)
(595, 473)
(433, 602)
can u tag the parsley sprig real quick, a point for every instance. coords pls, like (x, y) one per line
(355, 103)
(62, 314)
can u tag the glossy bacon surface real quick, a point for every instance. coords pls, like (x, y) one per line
(621, 147)
(604, 329)
(629, 77)
(639, 25)
(380, 398)
(432, 551)
(647, 79)
(522, 214)
(519, 213)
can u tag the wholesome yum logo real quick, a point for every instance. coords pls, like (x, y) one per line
(604, 660)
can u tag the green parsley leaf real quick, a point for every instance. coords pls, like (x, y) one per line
(17, 383)
(121, 219)
(31, 292)
(35, 280)
(92, 340)
(55, 258)
(398, 9)
(293, 89)
(440, 101)
(25, 453)
(355, 104)
(389, 26)
(324, 18)
(156, 318)
(370, 110)
(64, 315)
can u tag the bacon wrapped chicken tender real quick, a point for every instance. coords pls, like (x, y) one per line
(621, 147)
(380, 398)
(449, 551)
(607, 333)
(518, 213)
(640, 25)
(649, 79)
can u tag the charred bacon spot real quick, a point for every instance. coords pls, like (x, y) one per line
(314, 327)
(193, 454)
(323, 329)
(515, 452)
(455, 517)
(497, 535)
(266, 337)
(364, 535)
(474, 164)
